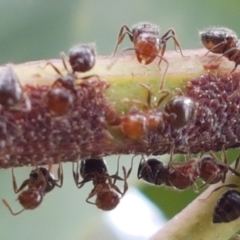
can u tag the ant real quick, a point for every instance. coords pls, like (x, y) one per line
(222, 41)
(213, 171)
(147, 43)
(105, 188)
(136, 124)
(11, 92)
(227, 208)
(40, 182)
(176, 175)
(61, 95)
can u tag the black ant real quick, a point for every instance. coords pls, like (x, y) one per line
(147, 43)
(61, 96)
(222, 41)
(105, 188)
(11, 92)
(40, 182)
(227, 208)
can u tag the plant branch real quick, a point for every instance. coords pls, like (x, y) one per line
(110, 114)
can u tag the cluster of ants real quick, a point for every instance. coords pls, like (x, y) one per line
(148, 45)
(179, 175)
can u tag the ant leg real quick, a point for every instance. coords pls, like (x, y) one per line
(149, 94)
(75, 173)
(218, 188)
(10, 209)
(116, 59)
(130, 169)
(165, 71)
(125, 174)
(115, 176)
(15, 188)
(64, 57)
(94, 192)
(54, 67)
(216, 46)
(171, 155)
(162, 98)
(121, 36)
(171, 34)
(236, 162)
(139, 176)
(60, 176)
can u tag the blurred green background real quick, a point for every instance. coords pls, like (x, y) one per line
(34, 30)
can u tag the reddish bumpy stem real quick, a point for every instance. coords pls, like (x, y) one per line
(93, 127)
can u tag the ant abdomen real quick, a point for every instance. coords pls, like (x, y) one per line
(227, 208)
(82, 57)
(181, 111)
(107, 200)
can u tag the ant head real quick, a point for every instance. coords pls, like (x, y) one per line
(147, 47)
(31, 198)
(107, 200)
(59, 101)
(82, 57)
(212, 171)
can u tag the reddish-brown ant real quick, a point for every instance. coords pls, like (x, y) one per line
(222, 41)
(61, 95)
(147, 43)
(213, 171)
(105, 188)
(136, 124)
(227, 208)
(176, 175)
(40, 182)
(11, 92)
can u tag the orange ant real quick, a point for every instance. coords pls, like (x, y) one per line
(62, 93)
(40, 182)
(147, 43)
(105, 188)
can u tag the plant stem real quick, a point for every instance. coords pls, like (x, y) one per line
(110, 114)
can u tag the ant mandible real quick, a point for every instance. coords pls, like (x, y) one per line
(148, 44)
(40, 182)
(105, 188)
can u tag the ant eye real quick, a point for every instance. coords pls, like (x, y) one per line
(82, 58)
